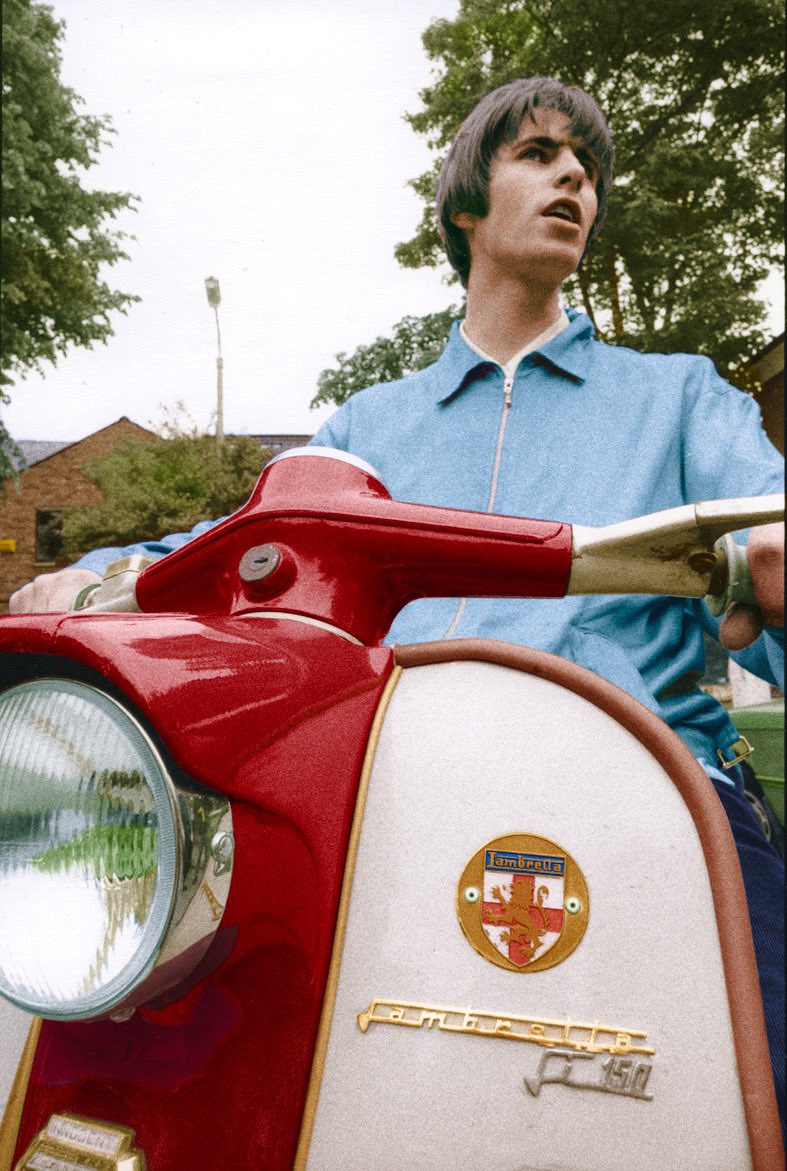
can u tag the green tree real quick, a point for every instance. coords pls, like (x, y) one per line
(151, 488)
(55, 235)
(692, 89)
(415, 343)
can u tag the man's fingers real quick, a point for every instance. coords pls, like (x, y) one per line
(740, 626)
(765, 553)
(50, 592)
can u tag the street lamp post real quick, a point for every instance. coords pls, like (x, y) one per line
(214, 300)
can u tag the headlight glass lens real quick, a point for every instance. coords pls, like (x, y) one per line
(89, 849)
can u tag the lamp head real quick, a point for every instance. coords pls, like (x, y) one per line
(213, 291)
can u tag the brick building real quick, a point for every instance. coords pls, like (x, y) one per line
(53, 480)
(768, 365)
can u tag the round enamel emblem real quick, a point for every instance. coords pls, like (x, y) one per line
(523, 903)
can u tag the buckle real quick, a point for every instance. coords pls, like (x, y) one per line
(741, 749)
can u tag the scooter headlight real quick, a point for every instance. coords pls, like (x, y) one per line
(91, 848)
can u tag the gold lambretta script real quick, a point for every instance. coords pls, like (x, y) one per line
(625, 1071)
(579, 1036)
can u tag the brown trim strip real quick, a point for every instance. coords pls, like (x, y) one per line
(12, 1118)
(721, 859)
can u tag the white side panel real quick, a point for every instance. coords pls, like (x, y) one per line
(470, 752)
(14, 1027)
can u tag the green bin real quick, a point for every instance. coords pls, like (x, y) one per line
(763, 726)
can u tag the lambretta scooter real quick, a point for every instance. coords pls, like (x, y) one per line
(278, 895)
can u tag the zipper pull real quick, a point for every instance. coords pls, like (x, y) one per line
(507, 391)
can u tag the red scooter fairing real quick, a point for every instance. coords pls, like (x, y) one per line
(322, 537)
(246, 670)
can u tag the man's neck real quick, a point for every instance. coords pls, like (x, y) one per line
(503, 318)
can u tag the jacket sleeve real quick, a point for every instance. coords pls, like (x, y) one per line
(335, 432)
(99, 559)
(726, 453)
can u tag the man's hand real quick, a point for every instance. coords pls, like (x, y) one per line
(50, 592)
(765, 554)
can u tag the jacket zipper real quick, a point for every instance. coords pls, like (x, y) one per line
(508, 385)
(507, 397)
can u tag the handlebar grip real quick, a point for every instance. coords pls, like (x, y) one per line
(117, 592)
(739, 588)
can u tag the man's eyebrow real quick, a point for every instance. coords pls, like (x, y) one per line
(580, 148)
(540, 140)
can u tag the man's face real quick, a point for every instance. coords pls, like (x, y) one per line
(542, 204)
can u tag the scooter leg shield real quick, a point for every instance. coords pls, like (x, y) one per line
(543, 957)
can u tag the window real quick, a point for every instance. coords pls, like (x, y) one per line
(49, 534)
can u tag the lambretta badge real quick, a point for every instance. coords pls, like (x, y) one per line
(523, 903)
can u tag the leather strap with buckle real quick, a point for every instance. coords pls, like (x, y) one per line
(740, 749)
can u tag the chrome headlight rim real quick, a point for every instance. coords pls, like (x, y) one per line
(170, 843)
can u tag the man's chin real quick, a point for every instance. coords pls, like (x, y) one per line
(550, 269)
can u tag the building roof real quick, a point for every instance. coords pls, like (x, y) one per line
(35, 450)
(766, 349)
(284, 442)
(768, 362)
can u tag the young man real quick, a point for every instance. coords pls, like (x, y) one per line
(527, 414)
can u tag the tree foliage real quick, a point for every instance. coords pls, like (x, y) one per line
(55, 233)
(416, 342)
(163, 487)
(692, 89)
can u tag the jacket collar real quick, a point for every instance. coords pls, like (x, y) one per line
(567, 354)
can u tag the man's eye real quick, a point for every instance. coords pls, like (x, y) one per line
(533, 152)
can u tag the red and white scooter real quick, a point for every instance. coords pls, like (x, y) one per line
(276, 895)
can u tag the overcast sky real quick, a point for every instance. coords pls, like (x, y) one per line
(266, 143)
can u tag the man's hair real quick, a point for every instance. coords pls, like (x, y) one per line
(464, 179)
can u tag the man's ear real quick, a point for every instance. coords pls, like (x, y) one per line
(464, 220)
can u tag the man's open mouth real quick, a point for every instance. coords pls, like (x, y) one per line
(564, 209)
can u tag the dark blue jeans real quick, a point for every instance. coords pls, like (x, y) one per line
(763, 878)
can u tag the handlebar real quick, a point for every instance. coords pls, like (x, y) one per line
(685, 552)
(322, 537)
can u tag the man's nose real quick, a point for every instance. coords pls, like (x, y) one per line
(570, 172)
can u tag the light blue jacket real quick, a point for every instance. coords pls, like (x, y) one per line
(594, 434)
